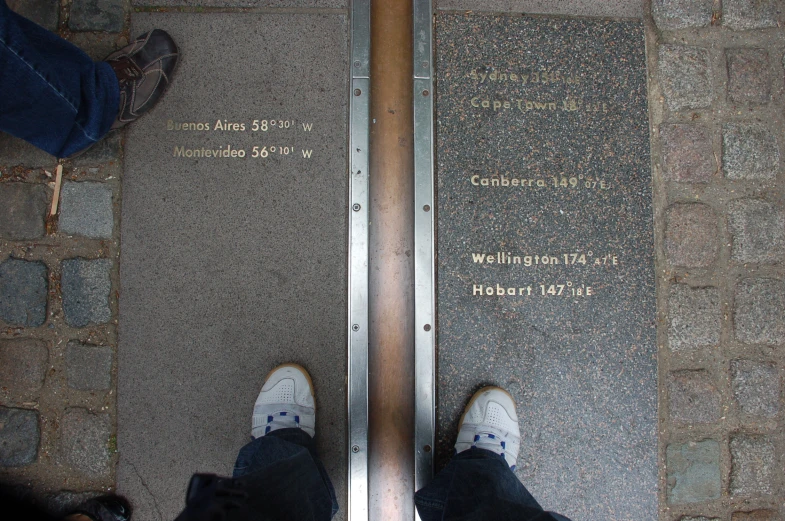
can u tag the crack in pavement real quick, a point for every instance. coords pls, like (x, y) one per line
(147, 488)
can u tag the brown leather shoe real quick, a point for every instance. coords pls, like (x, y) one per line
(144, 69)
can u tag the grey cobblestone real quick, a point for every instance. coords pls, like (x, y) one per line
(19, 437)
(681, 14)
(699, 518)
(89, 367)
(84, 441)
(687, 153)
(97, 15)
(45, 13)
(750, 14)
(755, 515)
(685, 77)
(749, 151)
(749, 80)
(87, 210)
(693, 472)
(753, 463)
(693, 397)
(691, 235)
(756, 387)
(760, 311)
(758, 230)
(23, 291)
(86, 287)
(694, 317)
(15, 152)
(22, 210)
(23, 365)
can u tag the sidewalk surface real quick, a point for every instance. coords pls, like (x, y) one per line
(72, 426)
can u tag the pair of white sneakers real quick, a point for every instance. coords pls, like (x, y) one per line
(286, 401)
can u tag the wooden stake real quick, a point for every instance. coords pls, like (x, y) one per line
(58, 182)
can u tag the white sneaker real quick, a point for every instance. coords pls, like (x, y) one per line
(490, 422)
(285, 401)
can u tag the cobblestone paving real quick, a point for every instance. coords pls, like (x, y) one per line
(716, 99)
(717, 96)
(58, 293)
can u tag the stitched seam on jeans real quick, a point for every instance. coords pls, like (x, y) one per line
(92, 138)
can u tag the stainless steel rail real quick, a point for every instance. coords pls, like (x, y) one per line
(424, 246)
(358, 319)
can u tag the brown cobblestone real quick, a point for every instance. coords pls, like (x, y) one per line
(749, 80)
(23, 365)
(693, 397)
(691, 235)
(687, 154)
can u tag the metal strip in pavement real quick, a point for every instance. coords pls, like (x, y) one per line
(359, 114)
(424, 268)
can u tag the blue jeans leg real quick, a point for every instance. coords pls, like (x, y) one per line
(478, 485)
(295, 484)
(51, 93)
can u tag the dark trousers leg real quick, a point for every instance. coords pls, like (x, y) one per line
(477, 485)
(296, 480)
(276, 477)
(51, 93)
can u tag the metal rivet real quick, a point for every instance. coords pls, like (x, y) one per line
(355, 448)
(427, 208)
(357, 92)
(357, 63)
(356, 207)
(356, 327)
(427, 448)
(425, 92)
(427, 327)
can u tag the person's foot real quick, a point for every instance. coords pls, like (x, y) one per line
(144, 69)
(104, 508)
(490, 422)
(285, 402)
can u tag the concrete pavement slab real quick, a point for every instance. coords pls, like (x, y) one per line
(233, 246)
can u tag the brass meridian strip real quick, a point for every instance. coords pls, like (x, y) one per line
(391, 267)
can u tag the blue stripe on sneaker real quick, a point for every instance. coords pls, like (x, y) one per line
(476, 437)
(269, 419)
(297, 419)
(283, 413)
(491, 436)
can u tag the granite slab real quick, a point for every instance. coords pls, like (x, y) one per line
(545, 251)
(594, 8)
(276, 4)
(233, 246)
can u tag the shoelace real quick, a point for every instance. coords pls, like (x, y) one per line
(492, 441)
(282, 420)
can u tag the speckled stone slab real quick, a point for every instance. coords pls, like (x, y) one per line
(233, 246)
(295, 4)
(603, 8)
(545, 251)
